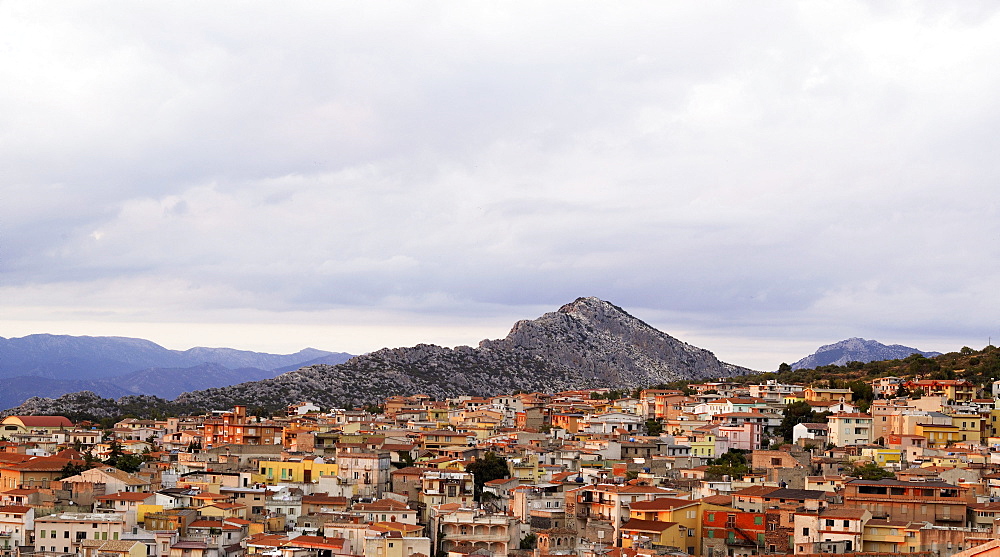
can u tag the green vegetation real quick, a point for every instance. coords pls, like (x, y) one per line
(490, 467)
(978, 366)
(798, 413)
(869, 471)
(733, 464)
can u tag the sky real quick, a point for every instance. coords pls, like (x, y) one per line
(754, 178)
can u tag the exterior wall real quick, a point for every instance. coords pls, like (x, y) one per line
(396, 547)
(734, 532)
(64, 532)
(308, 471)
(935, 502)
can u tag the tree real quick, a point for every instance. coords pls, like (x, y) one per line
(733, 464)
(654, 427)
(796, 413)
(71, 470)
(490, 467)
(784, 368)
(528, 542)
(869, 471)
(863, 394)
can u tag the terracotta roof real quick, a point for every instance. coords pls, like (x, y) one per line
(661, 504)
(721, 500)
(42, 421)
(636, 525)
(125, 496)
(390, 505)
(755, 491)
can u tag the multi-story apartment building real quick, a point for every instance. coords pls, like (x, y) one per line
(850, 429)
(64, 532)
(936, 502)
(957, 390)
(666, 522)
(366, 472)
(469, 530)
(603, 507)
(830, 530)
(234, 427)
(733, 532)
(16, 521)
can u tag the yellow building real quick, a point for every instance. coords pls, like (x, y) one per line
(793, 397)
(439, 415)
(704, 447)
(223, 510)
(938, 436)
(883, 457)
(305, 470)
(389, 545)
(943, 461)
(968, 427)
(648, 519)
(884, 536)
(993, 428)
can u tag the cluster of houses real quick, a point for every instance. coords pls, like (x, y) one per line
(586, 475)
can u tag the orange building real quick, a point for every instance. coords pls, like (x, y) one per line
(939, 503)
(234, 428)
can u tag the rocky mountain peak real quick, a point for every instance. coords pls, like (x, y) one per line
(857, 349)
(584, 344)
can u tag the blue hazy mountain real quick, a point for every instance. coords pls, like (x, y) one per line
(857, 350)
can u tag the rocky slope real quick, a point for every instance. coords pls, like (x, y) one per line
(857, 350)
(587, 343)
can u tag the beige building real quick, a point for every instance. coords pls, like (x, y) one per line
(65, 532)
(392, 544)
(468, 530)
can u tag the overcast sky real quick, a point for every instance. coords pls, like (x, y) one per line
(755, 178)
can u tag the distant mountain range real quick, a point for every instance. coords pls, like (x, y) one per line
(857, 350)
(52, 365)
(585, 344)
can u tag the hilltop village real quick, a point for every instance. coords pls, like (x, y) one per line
(710, 469)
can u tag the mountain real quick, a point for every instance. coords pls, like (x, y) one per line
(159, 382)
(85, 357)
(585, 344)
(857, 350)
(52, 365)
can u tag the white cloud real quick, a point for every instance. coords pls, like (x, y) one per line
(805, 170)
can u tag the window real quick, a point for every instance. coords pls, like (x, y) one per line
(805, 531)
(758, 520)
(829, 522)
(711, 517)
(66, 534)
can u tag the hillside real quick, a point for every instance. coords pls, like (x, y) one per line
(981, 367)
(587, 343)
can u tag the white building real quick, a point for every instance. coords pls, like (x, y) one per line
(850, 429)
